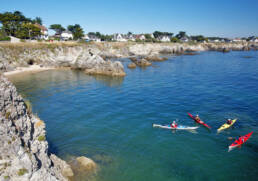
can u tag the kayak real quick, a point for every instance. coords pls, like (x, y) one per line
(200, 122)
(239, 141)
(226, 126)
(180, 127)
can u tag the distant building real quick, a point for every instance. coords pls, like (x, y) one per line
(227, 40)
(185, 39)
(254, 39)
(44, 32)
(91, 37)
(164, 38)
(130, 37)
(213, 40)
(237, 40)
(140, 37)
(119, 37)
(66, 35)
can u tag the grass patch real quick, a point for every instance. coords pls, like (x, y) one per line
(28, 107)
(22, 171)
(6, 177)
(42, 138)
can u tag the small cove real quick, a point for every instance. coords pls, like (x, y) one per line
(110, 119)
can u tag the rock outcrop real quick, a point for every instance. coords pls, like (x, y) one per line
(24, 150)
(77, 57)
(141, 62)
(131, 65)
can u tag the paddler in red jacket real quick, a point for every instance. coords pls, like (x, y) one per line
(197, 118)
(173, 125)
(229, 121)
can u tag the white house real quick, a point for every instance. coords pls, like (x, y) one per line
(66, 35)
(130, 37)
(91, 37)
(140, 37)
(164, 38)
(184, 39)
(254, 39)
(119, 37)
(44, 32)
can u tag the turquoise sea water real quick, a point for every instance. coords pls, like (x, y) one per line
(110, 119)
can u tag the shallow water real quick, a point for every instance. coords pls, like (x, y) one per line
(110, 119)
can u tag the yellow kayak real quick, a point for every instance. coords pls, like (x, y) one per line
(226, 126)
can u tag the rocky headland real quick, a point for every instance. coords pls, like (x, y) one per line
(98, 58)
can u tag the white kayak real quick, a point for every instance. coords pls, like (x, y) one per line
(180, 127)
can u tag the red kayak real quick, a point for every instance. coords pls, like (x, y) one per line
(199, 121)
(239, 141)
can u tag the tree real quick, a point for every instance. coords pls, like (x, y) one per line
(76, 30)
(181, 34)
(28, 31)
(57, 28)
(12, 22)
(158, 34)
(98, 34)
(37, 20)
(198, 38)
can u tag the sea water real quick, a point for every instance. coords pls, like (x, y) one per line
(110, 119)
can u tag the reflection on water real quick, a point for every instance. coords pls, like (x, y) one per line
(73, 78)
(111, 81)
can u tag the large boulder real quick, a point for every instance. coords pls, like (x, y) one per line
(131, 65)
(86, 163)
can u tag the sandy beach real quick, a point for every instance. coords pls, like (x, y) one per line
(30, 69)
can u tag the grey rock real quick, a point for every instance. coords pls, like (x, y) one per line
(22, 155)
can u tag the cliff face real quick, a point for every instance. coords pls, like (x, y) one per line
(78, 57)
(24, 149)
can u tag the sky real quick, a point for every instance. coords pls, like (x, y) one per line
(224, 18)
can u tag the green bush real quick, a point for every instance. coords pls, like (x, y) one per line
(6, 177)
(174, 39)
(7, 38)
(42, 138)
(22, 171)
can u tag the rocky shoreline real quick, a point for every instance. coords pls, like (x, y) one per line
(97, 58)
(24, 153)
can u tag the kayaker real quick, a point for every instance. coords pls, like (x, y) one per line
(197, 118)
(229, 121)
(241, 138)
(174, 125)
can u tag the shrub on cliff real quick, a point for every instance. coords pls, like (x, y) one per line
(28, 107)
(22, 171)
(42, 138)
